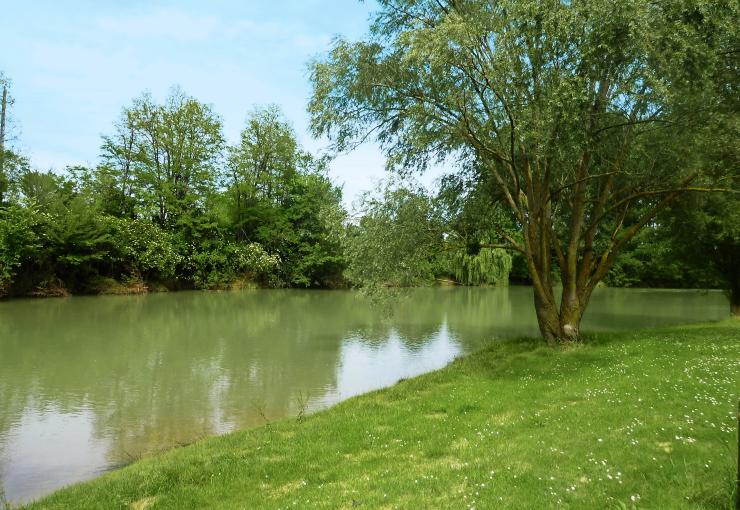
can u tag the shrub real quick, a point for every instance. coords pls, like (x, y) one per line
(19, 239)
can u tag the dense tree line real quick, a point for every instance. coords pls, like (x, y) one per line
(172, 206)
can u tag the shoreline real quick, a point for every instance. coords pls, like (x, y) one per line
(240, 288)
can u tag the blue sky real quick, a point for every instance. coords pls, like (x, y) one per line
(75, 64)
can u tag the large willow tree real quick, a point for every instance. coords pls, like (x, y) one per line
(588, 115)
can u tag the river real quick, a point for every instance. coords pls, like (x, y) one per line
(88, 384)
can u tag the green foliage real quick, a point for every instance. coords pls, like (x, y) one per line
(217, 266)
(142, 248)
(72, 241)
(583, 113)
(651, 260)
(396, 239)
(473, 221)
(487, 267)
(162, 160)
(164, 207)
(705, 233)
(79, 238)
(404, 238)
(19, 239)
(310, 247)
(267, 159)
(281, 198)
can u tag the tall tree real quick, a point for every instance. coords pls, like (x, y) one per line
(268, 155)
(5, 102)
(283, 199)
(164, 157)
(115, 178)
(585, 114)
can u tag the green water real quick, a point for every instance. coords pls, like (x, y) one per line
(89, 384)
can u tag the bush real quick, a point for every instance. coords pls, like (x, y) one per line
(144, 249)
(19, 239)
(226, 261)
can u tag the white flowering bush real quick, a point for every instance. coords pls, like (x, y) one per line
(226, 261)
(143, 247)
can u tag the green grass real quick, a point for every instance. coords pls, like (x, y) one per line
(637, 420)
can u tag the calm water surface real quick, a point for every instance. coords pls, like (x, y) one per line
(88, 384)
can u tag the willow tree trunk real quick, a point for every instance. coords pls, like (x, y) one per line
(559, 323)
(547, 318)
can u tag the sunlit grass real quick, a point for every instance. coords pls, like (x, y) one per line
(639, 420)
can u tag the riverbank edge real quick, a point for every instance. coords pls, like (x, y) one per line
(129, 486)
(142, 288)
(104, 286)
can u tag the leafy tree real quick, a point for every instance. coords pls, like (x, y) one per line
(431, 237)
(489, 266)
(142, 249)
(282, 199)
(586, 115)
(12, 163)
(162, 158)
(473, 222)
(5, 103)
(218, 266)
(19, 240)
(50, 191)
(74, 240)
(706, 234)
(705, 230)
(311, 248)
(395, 240)
(267, 158)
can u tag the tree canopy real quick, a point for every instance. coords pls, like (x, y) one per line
(589, 117)
(170, 205)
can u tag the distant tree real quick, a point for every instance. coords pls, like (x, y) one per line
(405, 237)
(11, 163)
(266, 158)
(165, 207)
(4, 106)
(163, 158)
(19, 240)
(117, 180)
(282, 198)
(473, 220)
(587, 115)
(705, 232)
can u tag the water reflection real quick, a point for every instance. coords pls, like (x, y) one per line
(87, 384)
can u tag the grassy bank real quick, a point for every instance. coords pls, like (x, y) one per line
(644, 419)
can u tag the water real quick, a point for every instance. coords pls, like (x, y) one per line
(89, 384)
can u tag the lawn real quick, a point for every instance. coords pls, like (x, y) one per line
(639, 420)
